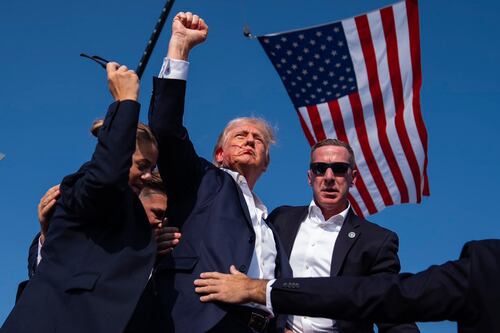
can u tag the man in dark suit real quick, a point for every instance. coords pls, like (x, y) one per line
(99, 251)
(221, 218)
(465, 290)
(326, 238)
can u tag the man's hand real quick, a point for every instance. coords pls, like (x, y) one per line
(188, 30)
(46, 208)
(234, 288)
(166, 239)
(123, 83)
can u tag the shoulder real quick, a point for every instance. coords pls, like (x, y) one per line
(287, 210)
(374, 230)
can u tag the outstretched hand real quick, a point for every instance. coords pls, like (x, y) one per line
(234, 288)
(188, 30)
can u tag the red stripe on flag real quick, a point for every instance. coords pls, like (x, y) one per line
(338, 123)
(355, 205)
(316, 123)
(378, 103)
(308, 134)
(413, 26)
(371, 162)
(389, 24)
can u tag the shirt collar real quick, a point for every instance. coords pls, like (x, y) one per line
(242, 183)
(338, 219)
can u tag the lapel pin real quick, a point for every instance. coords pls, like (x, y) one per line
(352, 234)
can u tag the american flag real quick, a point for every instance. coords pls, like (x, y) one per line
(359, 80)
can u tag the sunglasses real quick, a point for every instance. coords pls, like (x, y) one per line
(338, 168)
(101, 61)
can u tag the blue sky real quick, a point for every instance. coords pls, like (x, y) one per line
(49, 97)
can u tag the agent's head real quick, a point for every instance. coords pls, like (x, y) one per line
(144, 158)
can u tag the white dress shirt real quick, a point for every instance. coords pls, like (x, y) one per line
(312, 257)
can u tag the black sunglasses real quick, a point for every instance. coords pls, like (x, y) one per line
(338, 168)
(101, 61)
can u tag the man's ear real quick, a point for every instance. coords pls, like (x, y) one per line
(309, 177)
(219, 156)
(354, 177)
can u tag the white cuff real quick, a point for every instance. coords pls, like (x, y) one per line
(39, 252)
(269, 305)
(174, 69)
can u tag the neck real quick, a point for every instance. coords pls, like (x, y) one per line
(328, 212)
(251, 175)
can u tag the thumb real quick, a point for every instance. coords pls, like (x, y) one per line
(233, 270)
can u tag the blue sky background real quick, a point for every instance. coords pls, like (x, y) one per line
(49, 97)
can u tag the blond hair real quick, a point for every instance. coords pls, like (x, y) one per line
(267, 132)
(144, 133)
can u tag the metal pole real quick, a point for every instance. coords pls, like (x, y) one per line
(154, 37)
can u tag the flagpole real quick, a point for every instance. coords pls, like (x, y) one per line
(154, 38)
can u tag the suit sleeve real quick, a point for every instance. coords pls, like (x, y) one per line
(179, 165)
(32, 256)
(438, 293)
(88, 191)
(387, 261)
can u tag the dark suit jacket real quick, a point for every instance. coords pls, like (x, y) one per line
(208, 206)
(464, 290)
(99, 249)
(372, 250)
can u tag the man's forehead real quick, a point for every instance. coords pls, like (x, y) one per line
(247, 126)
(330, 153)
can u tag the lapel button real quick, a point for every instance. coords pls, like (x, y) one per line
(352, 234)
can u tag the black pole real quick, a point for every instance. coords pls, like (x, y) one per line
(154, 37)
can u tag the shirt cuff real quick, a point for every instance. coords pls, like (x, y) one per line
(39, 252)
(269, 305)
(174, 69)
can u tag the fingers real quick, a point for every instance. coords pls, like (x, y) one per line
(52, 193)
(202, 25)
(233, 270)
(46, 206)
(112, 67)
(195, 22)
(190, 20)
(212, 275)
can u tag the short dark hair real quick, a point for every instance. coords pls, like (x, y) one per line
(154, 185)
(336, 143)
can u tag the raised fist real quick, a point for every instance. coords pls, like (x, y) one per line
(188, 30)
(123, 83)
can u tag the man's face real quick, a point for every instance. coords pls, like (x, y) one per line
(143, 163)
(244, 148)
(155, 205)
(330, 190)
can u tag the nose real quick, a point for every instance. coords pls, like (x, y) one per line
(329, 175)
(146, 175)
(250, 139)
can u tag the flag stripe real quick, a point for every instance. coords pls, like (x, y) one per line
(313, 113)
(360, 125)
(380, 47)
(413, 18)
(387, 15)
(355, 206)
(378, 104)
(341, 134)
(307, 133)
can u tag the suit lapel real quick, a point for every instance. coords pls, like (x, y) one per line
(349, 233)
(293, 226)
(243, 204)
